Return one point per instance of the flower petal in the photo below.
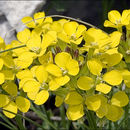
(93, 102)
(120, 99)
(11, 107)
(4, 100)
(54, 70)
(114, 113)
(41, 74)
(73, 98)
(22, 103)
(41, 97)
(75, 112)
(94, 66)
(62, 58)
(104, 88)
(85, 83)
(11, 88)
(113, 77)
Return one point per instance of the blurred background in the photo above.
(92, 11)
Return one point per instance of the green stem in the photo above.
(2, 123)
(43, 117)
(62, 115)
(91, 120)
(29, 120)
(8, 121)
(12, 48)
(20, 123)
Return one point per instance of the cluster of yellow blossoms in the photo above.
(87, 69)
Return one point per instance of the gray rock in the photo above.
(14, 11)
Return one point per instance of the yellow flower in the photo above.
(93, 102)
(116, 20)
(95, 66)
(96, 38)
(104, 88)
(35, 85)
(34, 22)
(72, 32)
(13, 102)
(126, 77)
(85, 83)
(66, 63)
(102, 110)
(114, 113)
(111, 57)
(61, 69)
(75, 108)
(120, 99)
(113, 77)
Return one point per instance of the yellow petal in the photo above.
(24, 60)
(39, 17)
(115, 38)
(28, 21)
(2, 78)
(31, 86)
(114, 113)
(49, 39)
(127, 83)
(80, 30)
(1, 63)
(22, 82)
(75, 112)
(94, 66)
(41, 74)
(59, 59)
(102, 111)
(2, 43)
(124, 18)
(85, 83)
(72, 67)
(114, 16)
(9, 75)
(70, 28)
(22, 103)
(62, 36)
(4, 100)
(62, 80)
(113, 77)
(113, 59)
(58, 101)
(73, 98)
(46, 58)
(109, 24)
(93, 102)
(41, 97)
(53, 85)
(24, 74)
(57, 82)
(32, 95)
(24, 35)
(77, 41)
(54, 70)
(11, 107)
(126, 74)
(11, 88)
(104, 88)
(56, 26)
(120, 99)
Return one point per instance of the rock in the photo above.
(14, 11)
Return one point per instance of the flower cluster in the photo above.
(87, 69)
